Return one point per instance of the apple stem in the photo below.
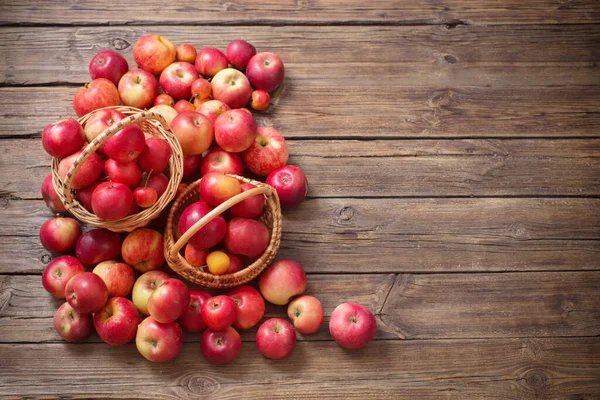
(148, 178)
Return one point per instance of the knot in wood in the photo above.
(202, 385)
(536, 379)
(450, 59)
(46, 258)
(119, 44)
(346, 213)
(519, 232)
(442, 98)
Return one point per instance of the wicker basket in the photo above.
(151, 123)
(271, 217)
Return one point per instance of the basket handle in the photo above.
(214, 213)
(103, 137)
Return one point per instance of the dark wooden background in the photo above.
(453, 153)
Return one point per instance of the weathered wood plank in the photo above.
(500, 369)
(26, 309)
(391, 235)
(371, 56)
(396, 112)
(301, 12)
(495, 305)
(383, 168)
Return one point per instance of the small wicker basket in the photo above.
(151, 123)
(271, 217)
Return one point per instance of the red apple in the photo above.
(235, 130)
(154, 53)
(158, 342)
(219, 312)
(125, 145)
(118, 277)
(138, 88)
(306, 312)
(186, 53)
(51, 197)
(99, 93)
(252, 207)
(275, 338)
(117, 322)
(239, 52)
(250, 306)
(221, 347)
(201, 89)
(145, 197)
(195, 256)
(231, 87)
(191, 319)
(108, 64)
(191, 165)
(260, 100)
(84, 196)
(98, 245)
(265, 71)
(210, 234)
(218, 160)
(193, 131)
(89, 171)
(59, 235)
(112, 201)
(210, 61)
(164, 99)
(128, 174)
(168, 112)
(71, 325)
(291, 185)
(236, 263)
(246, 237)
(169, 301)
(143, 250)
(86, 292)
(144, 286)
(99, 121)
(281, 281)
(57, 274)
(155, 156)
(63, 138)
(184, 105)
(212, 109)
(158, 182)
(352, 325)
(176, 80)
(268, 152)
(215, 188)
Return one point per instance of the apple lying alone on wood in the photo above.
(265, 71)
(352, 325)
(291, 185)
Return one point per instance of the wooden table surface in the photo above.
(453, 154)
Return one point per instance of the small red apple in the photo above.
(268, 152)
(128, 174)
(99, 121)
(239, 52)
(265, 71)
(352, 325)
(143, 250)
(158, 342)
(195, 256)
(176, 80)
(275, 338)
(71, 325)
(51, 197)
(155, 156)
(212, 109)
(63, 138)
(281, 281)
(86, 292)
(169, 301)
(250, 306)
(144, 286)
(59, 235)
(125, 145)
(210, 61)
(260, 100)
(186, 53)
(219, 312)
(90, 170)
(210, 234)
(58, 272)
(193, 131)
(218, 160)
(118, 277)
(117, 322)
(306, 312)
(221, 347)
(235, 130)
(231, 87)
(201, 89)
(215, 188)
(164, 99)
(99, 93)
(138, 88)
(191, 319)
(108, 64)
(191, 165)
(154, 53)
(184, 105)
(145, 197)
(98, 245)
(291, 185)
(246, 236)
(112, 201)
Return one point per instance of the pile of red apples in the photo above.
(117, 284)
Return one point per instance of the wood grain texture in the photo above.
(390, 235)
(301, 12)
(383, 168)
(502, 369)
(367, 56)
(27, 310)
(494, 305)
(356, 112)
